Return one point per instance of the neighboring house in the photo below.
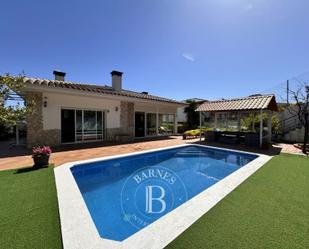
(181, 115)
(67, 112)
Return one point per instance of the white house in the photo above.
(67, 112)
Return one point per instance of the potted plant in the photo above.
(40, 156)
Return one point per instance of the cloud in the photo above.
(188, 56)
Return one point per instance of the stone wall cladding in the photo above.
(111, 133)
(47, 137)
(35, 133)
(127, 118)
(119, 134)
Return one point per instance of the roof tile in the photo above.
(247, 103)
(96, 89)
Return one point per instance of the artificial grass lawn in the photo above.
(29, 209)
(269, 210)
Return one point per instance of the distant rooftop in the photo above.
(196, 100)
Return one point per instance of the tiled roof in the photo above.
(256, 102)
(95, 89)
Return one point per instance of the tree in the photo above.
(301, 110)
(10, 88)
(192, 115)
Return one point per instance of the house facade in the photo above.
(67, 112)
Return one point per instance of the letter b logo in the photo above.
(150, 199)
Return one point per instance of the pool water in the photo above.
(126, 194)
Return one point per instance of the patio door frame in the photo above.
(157, 123)
(104, 123)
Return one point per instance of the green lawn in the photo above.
(269, 210)
(29, 210)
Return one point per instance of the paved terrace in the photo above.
(19, 157)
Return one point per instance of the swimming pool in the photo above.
(124, 195)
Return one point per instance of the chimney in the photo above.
(59, 75)
(116, 80)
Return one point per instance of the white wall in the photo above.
(296, 135)
(290, 121)
(153, 108)
(56, 102)
(182, 116)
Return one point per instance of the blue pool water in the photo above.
(126, 194)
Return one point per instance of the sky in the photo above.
(178, 49)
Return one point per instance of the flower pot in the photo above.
(40, 160)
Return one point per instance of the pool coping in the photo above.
(79, 231)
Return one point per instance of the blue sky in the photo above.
(173, 48)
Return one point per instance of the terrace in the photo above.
(19, 157)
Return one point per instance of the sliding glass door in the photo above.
(90, 125)
(87, 125)
(139, 124)
(153, 124)
(100, 125)
(67, 126)
(166, 124)
(79, 125)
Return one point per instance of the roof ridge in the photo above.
(67, 82)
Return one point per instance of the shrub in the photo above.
(195, 132)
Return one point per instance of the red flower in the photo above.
(41, 150)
